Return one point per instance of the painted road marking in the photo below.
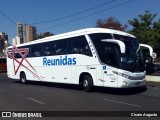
(35, 100)
(122, 103)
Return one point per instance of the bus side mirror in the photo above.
(149, 47)
(120, 43)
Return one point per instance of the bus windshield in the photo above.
(109, 53)
(132, 59)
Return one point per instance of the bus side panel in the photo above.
(10, 69)
(59, 74)
(50, 73)
(56, 73)
(99, 80)
(86, 64)
(74, 77)
(33, 69)
(110, 78)
(10, 72)
(65, 74)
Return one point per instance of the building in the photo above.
(30, 33)
(20, 32)
(3, 43)
(16, 40)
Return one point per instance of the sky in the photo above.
(69, 15)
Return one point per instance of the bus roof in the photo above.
(76, 33)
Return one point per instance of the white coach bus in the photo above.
(89, 57)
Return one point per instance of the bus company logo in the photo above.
(23, 52)
(59, 61)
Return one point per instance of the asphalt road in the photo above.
(36, 96)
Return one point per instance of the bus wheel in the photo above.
(88, 83)
(23, 78)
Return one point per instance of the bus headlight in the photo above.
(121, 74)
(125, 83)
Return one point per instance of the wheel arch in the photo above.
(83, 74)
(22, 72)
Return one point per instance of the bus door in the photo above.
(110, 55)
(110, 58)
(106, 76)
(110, 79)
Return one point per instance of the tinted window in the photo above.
(132, 60)
(74, 45)
(107, 54)
(80, 46)
(107, 51)
(10, 53)
(17, 55)
(49, 49)
(97, 37)
(35, 50)
(61, 47)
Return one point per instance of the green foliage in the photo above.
(45, 34)
(146, 29)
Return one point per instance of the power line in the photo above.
(74, 13)
(11, 20)
(88, 15)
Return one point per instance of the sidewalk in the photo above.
(153, 80)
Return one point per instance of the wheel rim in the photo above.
(23, 79)
(85, 83)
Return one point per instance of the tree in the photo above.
(111, 23)
(146, 29)
(45, 34)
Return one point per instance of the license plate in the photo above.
(137, 83)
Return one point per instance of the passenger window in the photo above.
(36, 50)
(61, 47)
(48, 49)
(17, 55)
(10, 53)
(107, 54)
(80, 46)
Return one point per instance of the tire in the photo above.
(88, 83)
(23, 78)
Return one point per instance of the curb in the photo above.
(153, 78)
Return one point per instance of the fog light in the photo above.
(125, 83)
